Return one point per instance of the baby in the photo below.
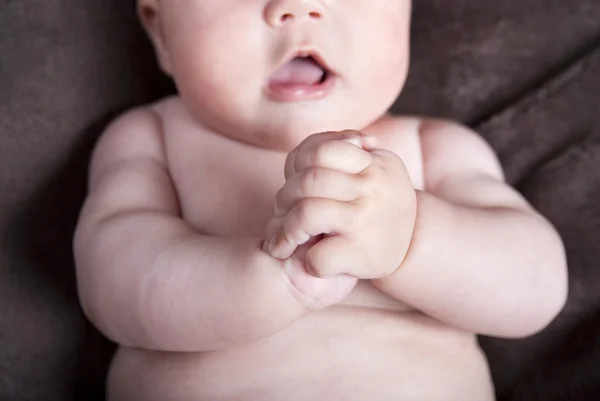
(272, 234)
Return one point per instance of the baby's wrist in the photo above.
(285, 276)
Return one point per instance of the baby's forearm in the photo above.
(148, 281)
(495, 271)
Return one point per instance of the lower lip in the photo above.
(299, 93)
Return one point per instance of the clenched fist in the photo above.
(351, 203)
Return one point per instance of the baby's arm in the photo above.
(146, 278)
(481, 258)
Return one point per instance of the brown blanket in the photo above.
(525, 73)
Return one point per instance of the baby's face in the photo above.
(272, 72)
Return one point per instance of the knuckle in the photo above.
(322, 153)
(309, 179)
(288, 229)
(369, 180)
(387, 169)
(394, 163)
(385, 159)
(347, 220)
(355, 186)
(290, 225)
(386, 173)
(293, 233)
(304, 211)
(357, 218)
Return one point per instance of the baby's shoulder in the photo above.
(138, 131)
(435, 137)
(134, 134)
(445, 147)
(423, 129)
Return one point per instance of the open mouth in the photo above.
(300, 71)
(304, 77)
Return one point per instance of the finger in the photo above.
(386, 161)
(310, 217)
(384, 157)
(369, 142)
(339, 155)
(332, 256)
(385, 153)
(312, 150)
(289, 163)
(306, 144)
(318, 183)
(273, 227)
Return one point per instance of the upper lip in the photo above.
(309, 53)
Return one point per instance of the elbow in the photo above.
(545, 291)
(97, 316)
(93, 300)
(99, 305)
(121, 325)
(539, 316)
(541, 303)
(98, 312)
(94, 317)
(551, 302)
(87, 292)
(551, 290)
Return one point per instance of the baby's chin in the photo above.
(282, 140)
(283, 131)
(287, 137)
(286, 134)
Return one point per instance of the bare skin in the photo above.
(239, 243)
(156, 232)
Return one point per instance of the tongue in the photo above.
(299, 71)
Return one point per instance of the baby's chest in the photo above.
(228, 189)
(231, 197)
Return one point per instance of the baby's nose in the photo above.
(281, 12)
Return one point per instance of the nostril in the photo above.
(281, 12)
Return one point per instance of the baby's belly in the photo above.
(343, 353)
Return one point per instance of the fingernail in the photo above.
(370, 141)
(355, 141)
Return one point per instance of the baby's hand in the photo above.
(359, 198)
(312, 292)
